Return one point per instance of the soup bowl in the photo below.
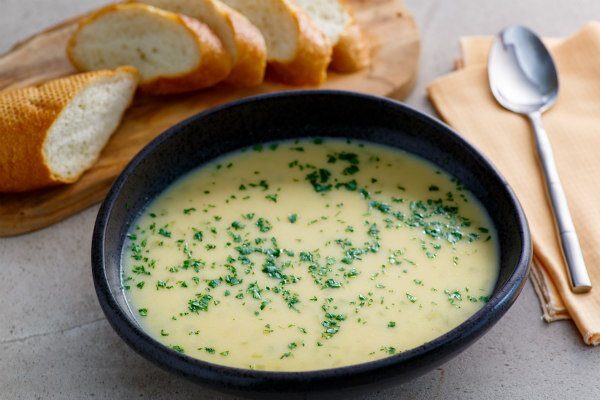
(289, 115)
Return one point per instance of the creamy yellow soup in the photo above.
(308, 255)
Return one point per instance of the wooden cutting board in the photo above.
(395, 48)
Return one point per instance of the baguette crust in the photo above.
(313, 54)
(250, 65)
(352, 51)
(214, 65)
(26, 116)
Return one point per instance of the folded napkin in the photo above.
(463, 99)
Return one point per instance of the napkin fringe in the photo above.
(550, 311)
(592, 339)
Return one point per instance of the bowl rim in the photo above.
(144, 344)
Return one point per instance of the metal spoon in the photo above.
(524, 80)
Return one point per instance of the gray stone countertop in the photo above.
(56, 344)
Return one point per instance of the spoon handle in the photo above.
(571, 249)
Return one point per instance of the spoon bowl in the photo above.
(521, 71)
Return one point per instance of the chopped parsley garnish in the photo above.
(454, 297)
(164, 232)
(383, 207)
(178, 349)
(332, 283)
(332, 324)
(318, 179)
(200, 303)
(237, 225)
(373, 231)
(350, 185)
(254, 290)
(411, 298)
(232, 280)
(140, 270)
(352, 158)
(198, 235)
(263, 225)
(272, 197)
(272, 270)
(351, 170)
(214, 283)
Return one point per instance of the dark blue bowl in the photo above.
(281, 116)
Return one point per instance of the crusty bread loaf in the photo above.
(334, 18)
(242, 40)
(173, 53)
(297, 51)
(51, 134)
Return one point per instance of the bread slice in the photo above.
(334, 18)
(242, 40)
(297, 51)
(173, 53)
(51, 134)
(352, 52)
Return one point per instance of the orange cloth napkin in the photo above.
(464, 101)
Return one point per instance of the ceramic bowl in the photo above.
(287, 115)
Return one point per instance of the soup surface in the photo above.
(307, 255)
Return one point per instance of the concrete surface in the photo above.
(56, 344)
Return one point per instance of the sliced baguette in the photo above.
(173, 53)
(334, 18)
(352, 52)
(242, 40)
(297, 51)
(51, 134)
